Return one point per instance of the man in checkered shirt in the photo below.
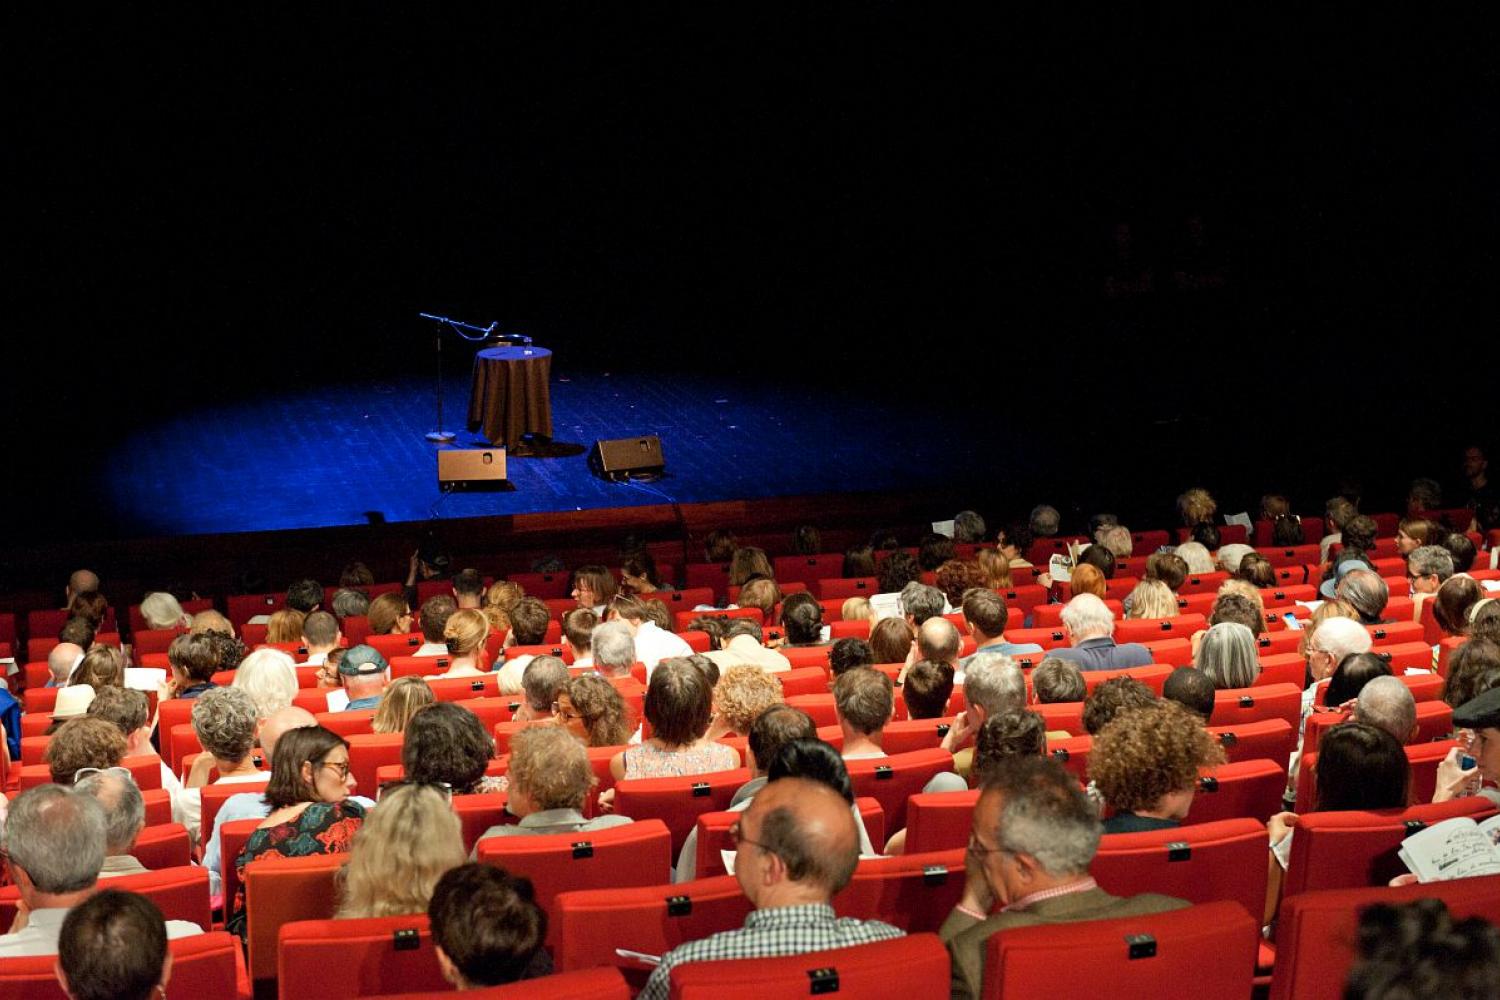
(798, 846)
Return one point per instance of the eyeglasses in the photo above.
(441, 787)
(737, 835)
(84, 772)
(978, 850)
(340, 767)
(565, 716)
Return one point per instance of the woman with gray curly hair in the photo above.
(225, 720)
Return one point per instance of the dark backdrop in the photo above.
(209, 206)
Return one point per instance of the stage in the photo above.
(354, 454)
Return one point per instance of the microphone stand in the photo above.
(441, 436)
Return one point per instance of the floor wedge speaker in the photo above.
(628, 458)
(471, 468)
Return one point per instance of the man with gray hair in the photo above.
(1366, 592)
(55, 844)
(920, 602)
(1035, 834)
(1045, 521)
(1427, 568)
(544, 678)
(742, 647)
(614, 649)
(1386, 703)
(124, 818)
(1329, 643)
(1116, 538)
(993, 685)
(968, 527)
(1090, 626)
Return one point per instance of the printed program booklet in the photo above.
(1454, 848)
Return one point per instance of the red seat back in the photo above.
(1129, 956)
(1202, 863)
(1315, 930)
(203, 965)
(916, 892)
(1249, 788)
(911, 966)
(180, 893)
(638, 853)
(163, 846)
(843, 588)
(280, 891)
(653, 919)
(367, 751)
(1268, 739)
(1153, 676)
(1346, 850)
(1152, 629)
(939, 821)
(395, 644)
(243, 607)
(1238, 706)
(905, 735)
(678, 802)
(212, 798)
(893, 779)
(355, 958)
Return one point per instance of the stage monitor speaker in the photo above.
(628, 458)
(472, 468)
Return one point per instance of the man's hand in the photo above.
(1453, 780)
(959, 733)
(977, 895)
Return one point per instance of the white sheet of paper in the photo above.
(1238, 519)
(728, 857)
(1454, 848)
(145, 678)
(944, 528)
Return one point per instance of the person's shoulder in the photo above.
(1148, 902)
(875, 930)
(606, 822)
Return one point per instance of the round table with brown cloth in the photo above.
(510, 395)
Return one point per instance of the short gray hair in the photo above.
(124, 807)
(613, 646)
(921, 601)
(1365, 591)
(224, 719)
(1195, 554)
(162, 611)
(995, 683)
(349, 601)
(1340, 637)
(1117, 539)
(1088, 617)
(56, 837)
(1044, 520)
(1231, 555)
(1430, 560)
(1386, 703)
(1044, 814)
(542, 679)
(968, 526)
(1228, 656)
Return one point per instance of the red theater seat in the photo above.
(915, 892)
(1250, 788)
(678, 802)
(654, 919)
(356, 958)
(1202, 863)
(1128, 957)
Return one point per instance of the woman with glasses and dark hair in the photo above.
(592, 710)
(409, 840)
(308, 795)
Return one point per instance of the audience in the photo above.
(985, 614)
(577, 635)
(1419, 950)
(269, 677)
(433, 619)
(113, 946)
(1351, 675)
(679, 705)
(846, 654)
(486, 928)
(993, 684)
(864, 703)
(1151, 599)
(543, 680)
(1055, 680)
(798, 846)
(651, 644)
(225, 721)
(124, 818)
(310, 811)
(594, 588)
(891, 640)
(465, 635)
(1034, 837)
(389, 614)
(550, 781)
(528, 627)
(404, 846)
(1109, 699)
(1386, 703)
(1090, 627)
(55, 843)
(365, 674)
(83, 743)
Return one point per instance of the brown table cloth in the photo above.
(510, 395)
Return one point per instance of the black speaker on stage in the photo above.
(628, 458)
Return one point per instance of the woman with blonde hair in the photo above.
(857, 609)
(763, 595)
(498, 600)
(162, 611)
(101, 667)
(284, 626)
(1197, 557)
(1151, 599)
(1088, 579)
(994, 569)
(465, 633)
(1196, 506)
(740, 696)
(408, 841)
(389, 614)
(402, 700)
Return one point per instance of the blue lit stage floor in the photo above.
(347, 454)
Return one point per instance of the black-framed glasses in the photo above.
(978, 850)
(441, 787)
(568, 716)
(737, 835)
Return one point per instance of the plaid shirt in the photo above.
(784, 930)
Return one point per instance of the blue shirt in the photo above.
(360, 704)
(1003, 648)
(1104, 654)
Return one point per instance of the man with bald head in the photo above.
(252, 805)
(61, 661)
(82, 581)
(1386, 703)
(798, 846)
